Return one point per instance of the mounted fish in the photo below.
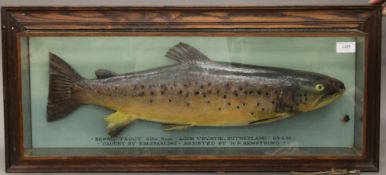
(195, 92)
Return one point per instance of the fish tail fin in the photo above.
(61, 98)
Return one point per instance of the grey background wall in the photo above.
(203, 3)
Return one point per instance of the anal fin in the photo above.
(117, 121)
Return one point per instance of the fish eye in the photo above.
(319, 87)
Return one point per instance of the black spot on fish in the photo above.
(204, 95)
(240, 88)
(228, 85)
(152, 93)
(219, 109)
(273, 102)
(266, 94)
(262, 109)
(202, 86)
(180, 92)
(188, 104)
(257, 104)
(196, 93)
(210, 92)
(142, 86)
(208, 102)
(170, 100)
(229, 103)
(236, 93)
(209, 84)
(252, 113)
(116, 88)
(243, 104)
(250, 92)
(246, 92)
(238, 107)
(162, 92)
(151, 101)
(224, 97)
(259, 92)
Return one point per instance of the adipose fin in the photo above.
(103, 73)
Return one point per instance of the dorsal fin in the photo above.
(103, 73)
(184, 53)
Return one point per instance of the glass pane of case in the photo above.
(193, 95)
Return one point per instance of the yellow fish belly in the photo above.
(193, 111)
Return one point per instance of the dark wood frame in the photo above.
(40, 21)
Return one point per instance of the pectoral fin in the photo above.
(269, 120)
(176, 127)
(117, 121)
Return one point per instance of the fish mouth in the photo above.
(328, 98)
(320, 101)
(334, 94)
(337, 91)
(330, 95)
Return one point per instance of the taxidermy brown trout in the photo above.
(195, 92)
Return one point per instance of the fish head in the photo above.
(317, 91)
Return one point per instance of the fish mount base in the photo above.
(331, 172)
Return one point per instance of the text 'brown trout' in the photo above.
(195, 92)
